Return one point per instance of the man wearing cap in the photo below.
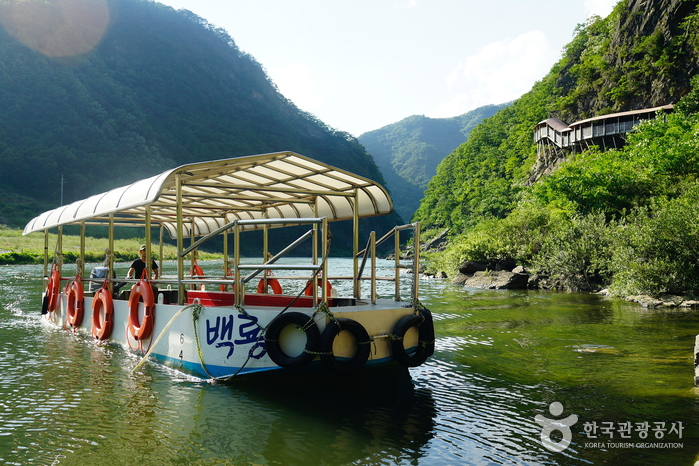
(139, 265)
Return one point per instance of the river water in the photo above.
(502, 358)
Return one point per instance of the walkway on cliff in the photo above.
(556, 140)
(606, 131)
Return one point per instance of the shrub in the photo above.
(658, 247)
(576, 255)
(515, 239)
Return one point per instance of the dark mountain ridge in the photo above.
(162, 88)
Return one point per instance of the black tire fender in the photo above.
(425, 345)
(332, 330)
(303, 323)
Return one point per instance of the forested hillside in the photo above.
(161, 88)
(624, 218)
(408, 152)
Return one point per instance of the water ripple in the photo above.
(67, 401)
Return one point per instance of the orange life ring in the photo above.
(197, 272)
(141, 291)
(309, 287)
(222, 287)
(273, 282)
(75, 302)
(52, 290)
(102, 329)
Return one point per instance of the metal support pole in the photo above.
(324, 283)
(225, 254)
(239, 285)
(149, 261)
(193, 257)
(111, 253)
(396, 239)
(180, 241)
(416, 259)
(373, 267)
(80, 270)
(265, 249)
(46, 258)
(315, 254)
(60, 248)
(355, 244)
(160, 250)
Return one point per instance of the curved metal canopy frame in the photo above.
(213, 194)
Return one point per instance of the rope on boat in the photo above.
(322, 309)
(417, 305)
(195, 317)
(197, 309)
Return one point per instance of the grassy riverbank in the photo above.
(18, 249)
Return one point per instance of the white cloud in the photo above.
(599, 7)
(296, 83)
(500, 72)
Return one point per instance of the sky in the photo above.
(359, 65)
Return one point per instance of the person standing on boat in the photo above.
(139, 265)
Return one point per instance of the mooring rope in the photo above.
(195, 305)
(197, 309)
(321, 309)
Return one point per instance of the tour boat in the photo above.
(249, 319)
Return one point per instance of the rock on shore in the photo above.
(504, 276)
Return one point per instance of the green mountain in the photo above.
(623, 218)
(408, 152)
(160, 88)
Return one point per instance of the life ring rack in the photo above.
(223, 286)
(197, 272)
(75, 302)
(271, 282)
(309, 287)
(141, 291)
(52, 289)
(102, 329)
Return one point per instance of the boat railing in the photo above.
(317, 267)
(370, 251)
(317, 270)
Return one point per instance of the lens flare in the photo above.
(56, 28)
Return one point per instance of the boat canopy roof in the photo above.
(278, 185)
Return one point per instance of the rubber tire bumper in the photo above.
(425, 344)
(332, 330)
(302, 322)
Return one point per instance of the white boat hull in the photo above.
(225, 341)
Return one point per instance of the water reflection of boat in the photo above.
(298, 422)
(386, 420)
(380, 416)
(223, 325)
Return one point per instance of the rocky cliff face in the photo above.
(648, 53)
(661, 24)
(642, 56)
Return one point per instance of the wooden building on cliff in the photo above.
(556, 140)
(606, 131)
